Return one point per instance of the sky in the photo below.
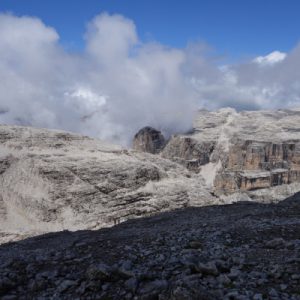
(235, 28)
(107, 68)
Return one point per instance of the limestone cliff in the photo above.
(246, 152)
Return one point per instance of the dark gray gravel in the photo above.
(240, 251)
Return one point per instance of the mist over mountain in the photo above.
(119, 83)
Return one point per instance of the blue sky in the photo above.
(234, 28)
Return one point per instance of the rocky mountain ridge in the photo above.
(54, 180)
(248, 152)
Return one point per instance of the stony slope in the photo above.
(52, 180)
(239, 251)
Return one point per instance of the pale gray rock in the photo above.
(53, 180)
(258, 151)
(242, 155)
(188, 151)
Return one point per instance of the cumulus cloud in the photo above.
(270, 59)
(119, 84)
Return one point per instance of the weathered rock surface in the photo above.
(239, 251)
(242, 152)
(149, 140)
(52, 180)
(188, 151)
(257, 149)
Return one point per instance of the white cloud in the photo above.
(270, 59)
(119, 84)
(86, 99)
(110, 38)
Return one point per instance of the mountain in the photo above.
(176, 240)
(54, 180)
(244, 155)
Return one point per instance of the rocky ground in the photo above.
(238, 251)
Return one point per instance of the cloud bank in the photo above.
(119, 84)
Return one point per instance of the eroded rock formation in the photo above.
(253, 165)
(52, 180)
(188, 151)
(148, 140)
(247, 152)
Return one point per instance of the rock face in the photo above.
(258, 150)
(239, 251)
(52, 180)
(188, 151)
(249, 152)
(148, 140)
(253, 165)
